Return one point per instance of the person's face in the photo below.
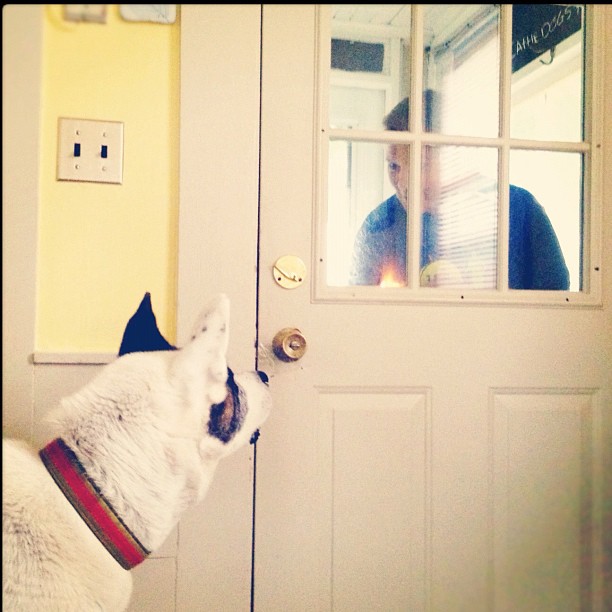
(397, 166)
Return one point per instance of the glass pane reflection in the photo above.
(367, 219)
(368, 183)
(547, 235)
(460, 217)
(547, 72)
(461, 56)
(358, 182)
(370, 62)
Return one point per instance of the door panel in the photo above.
(366, 491)
(419, 456)
(542, 488)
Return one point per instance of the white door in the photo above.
(420, 456)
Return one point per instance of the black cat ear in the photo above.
(141, 332)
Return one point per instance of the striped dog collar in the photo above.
(71, 477)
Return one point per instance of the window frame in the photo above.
(591, 148)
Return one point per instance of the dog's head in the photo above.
(238, 402)
(180, 399)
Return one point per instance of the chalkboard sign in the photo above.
(537, 28)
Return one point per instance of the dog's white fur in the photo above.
(140, 429)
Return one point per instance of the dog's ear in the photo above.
(141, 332)
(201, 364)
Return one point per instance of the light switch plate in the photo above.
(90, 150)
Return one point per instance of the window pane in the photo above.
(547, 72)
(461, 56)
(366, 223)
(368, 208)
(459, 217)
(546, 237)
(370, 63)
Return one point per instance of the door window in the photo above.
(455, 157)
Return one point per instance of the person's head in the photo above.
(397, 119)
(398, 159)
(398, 156)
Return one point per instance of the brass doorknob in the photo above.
(289, 344)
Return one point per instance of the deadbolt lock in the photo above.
(289, 271)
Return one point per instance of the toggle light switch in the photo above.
(90, 150)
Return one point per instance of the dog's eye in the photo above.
(263, 376)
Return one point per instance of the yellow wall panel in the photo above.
(102, 246)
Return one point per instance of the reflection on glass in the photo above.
(369, 182)
(460, 196)
(357, 183)
(461, 56)
(545, 234)
(547, 72)
(367, 223)
(370, 63)
(379, 252)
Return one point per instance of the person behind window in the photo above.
(535, 257)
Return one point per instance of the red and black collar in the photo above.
(72, 479)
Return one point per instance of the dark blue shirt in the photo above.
(535, 259)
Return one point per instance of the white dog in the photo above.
(138, 445)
